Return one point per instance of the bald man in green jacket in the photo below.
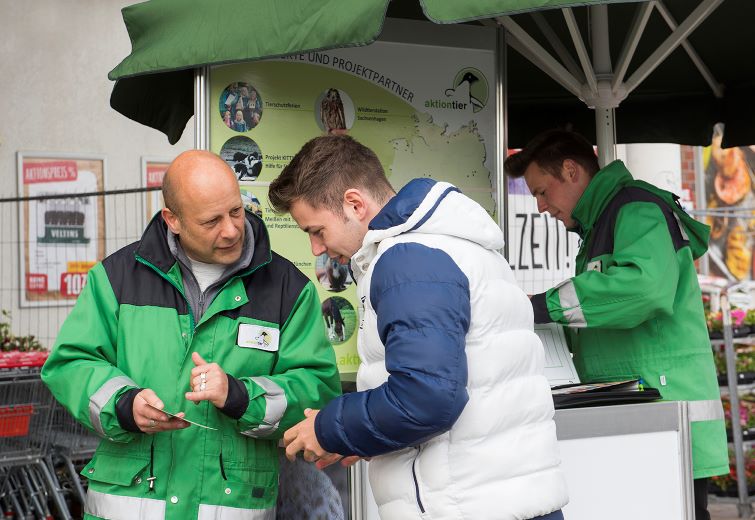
(199, 317)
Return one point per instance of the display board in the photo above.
(422, 116)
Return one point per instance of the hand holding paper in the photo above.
(181, 417)
(150, 417)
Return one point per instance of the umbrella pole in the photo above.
(201, 108)
(605, 135)
(605, 132)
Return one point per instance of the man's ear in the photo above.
(354, 202)
(172, 220)
(571, 169)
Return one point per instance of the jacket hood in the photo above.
(697, 232)
(604, 185)
(428, 206)
(615, 176)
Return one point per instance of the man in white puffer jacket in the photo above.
(453, 407)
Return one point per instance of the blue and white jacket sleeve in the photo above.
(422, 302)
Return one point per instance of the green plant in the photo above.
(745, 359)
(728, 482)
(714, 321)
(746, 413)
(739, 318)
(9, 341)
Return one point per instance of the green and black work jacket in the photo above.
(133, 327)
(634, 308)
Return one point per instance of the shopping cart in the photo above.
(72, 445)
(26, 482)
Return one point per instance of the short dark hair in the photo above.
(549, 150)
(322, 171)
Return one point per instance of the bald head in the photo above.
(194, 171)
(203, 207)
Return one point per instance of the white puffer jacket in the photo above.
(452, 396)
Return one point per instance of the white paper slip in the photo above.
(559, 368)
(166, 412)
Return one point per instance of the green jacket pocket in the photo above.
(115, 470)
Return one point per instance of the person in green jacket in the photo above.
(199, 317)
(634, 307)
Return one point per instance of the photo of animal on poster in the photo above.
(334, 111)
(340, 319)
(244, 157)
(332, 275)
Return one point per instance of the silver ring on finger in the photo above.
(202, 386)
(152, 423)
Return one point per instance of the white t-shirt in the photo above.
(206, 274)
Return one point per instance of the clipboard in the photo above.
(605, 397)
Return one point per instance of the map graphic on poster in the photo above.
(63, 235)
(423, 117)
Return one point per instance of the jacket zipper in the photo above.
(416, 481)
(166, 277)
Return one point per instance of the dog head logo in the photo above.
(470, 86)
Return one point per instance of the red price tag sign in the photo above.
(36, 282)
(71, 284)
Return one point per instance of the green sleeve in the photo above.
(636, 283)
(305, 374)
(81, 370)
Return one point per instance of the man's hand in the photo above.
(150, 420)
(345, 461)
(301, 437)
(208, 382)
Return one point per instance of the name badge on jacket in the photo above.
(259, 337)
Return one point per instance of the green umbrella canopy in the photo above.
(169, 38)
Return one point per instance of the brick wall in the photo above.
(688, 170)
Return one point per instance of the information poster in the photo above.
(62, 234)
(422, 115)
(542, 253)
(153, 171)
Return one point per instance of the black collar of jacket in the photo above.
(153, 246)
